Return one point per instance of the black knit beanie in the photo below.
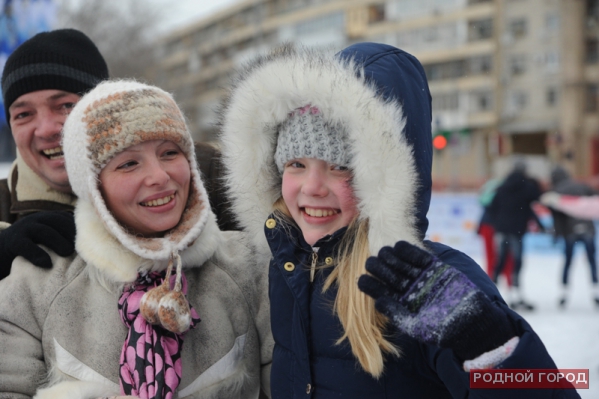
(63, 59)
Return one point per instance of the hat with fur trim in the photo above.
(112, 117)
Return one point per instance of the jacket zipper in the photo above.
(313, 265)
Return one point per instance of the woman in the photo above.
(329, 162)
(123, 315)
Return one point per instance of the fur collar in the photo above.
(117, 264)
(385, 177)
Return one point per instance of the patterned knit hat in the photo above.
(112, 117)
(305, 134)
(63, 59)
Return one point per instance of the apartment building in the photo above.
(508, 77)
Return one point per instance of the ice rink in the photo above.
(571, 335)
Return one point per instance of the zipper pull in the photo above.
(313, 265)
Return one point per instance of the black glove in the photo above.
(55, 230)
(434, 302)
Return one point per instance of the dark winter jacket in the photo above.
(39, 197)
(565, 225)
(306, 358)
(511, 208)
(383, 103)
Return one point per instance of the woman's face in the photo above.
(319, 196)
(146, 187)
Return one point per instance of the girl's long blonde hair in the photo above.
(363, 326)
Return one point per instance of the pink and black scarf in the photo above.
(150, 363)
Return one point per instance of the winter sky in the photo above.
(180, 13)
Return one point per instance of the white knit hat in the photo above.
(112, 117)
(305, 134)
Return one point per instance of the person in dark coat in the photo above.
(487, 232)
(510, 212)
(573, 229)
(328, 161)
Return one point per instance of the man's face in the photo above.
(36, 121)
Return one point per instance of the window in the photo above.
(481, 101)
(480, 29)
(194, 63)
(552, 62)
(446, 70)
(430, 34)
(445, 101)
(517, 100)
(320, 23)
(551, 97)
(481, 65)
(517, 64)
(592, 51)
(376, 13)
(592, 92)
(551, 23)
(518, 28)
(593, 8)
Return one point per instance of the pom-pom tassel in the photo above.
(167, 307)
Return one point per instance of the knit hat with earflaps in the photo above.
(112, 117)
(62, 59)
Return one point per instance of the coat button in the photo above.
(328, 260)
(271, 223)
(308, 388)
(289, 266)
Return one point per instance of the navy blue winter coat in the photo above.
(379, 96)
(308, 364)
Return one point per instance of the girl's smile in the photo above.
(318, 196)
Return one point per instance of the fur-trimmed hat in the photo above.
(112, 117)
(63, 59)
(306, 134)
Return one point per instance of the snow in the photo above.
(571, 335)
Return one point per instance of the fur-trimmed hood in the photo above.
(376, 92)
(112, 117)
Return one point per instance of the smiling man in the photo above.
(42, 80)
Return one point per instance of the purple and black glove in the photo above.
(434, 303)
(55, 230)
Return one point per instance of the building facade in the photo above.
(509, 78)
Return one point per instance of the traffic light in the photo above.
(439, 142)
(441, 139)
(457, 139)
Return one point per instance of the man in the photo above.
(42, 80)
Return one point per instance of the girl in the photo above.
(152, 305)
(329, 162)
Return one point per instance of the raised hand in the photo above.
(434, 302)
